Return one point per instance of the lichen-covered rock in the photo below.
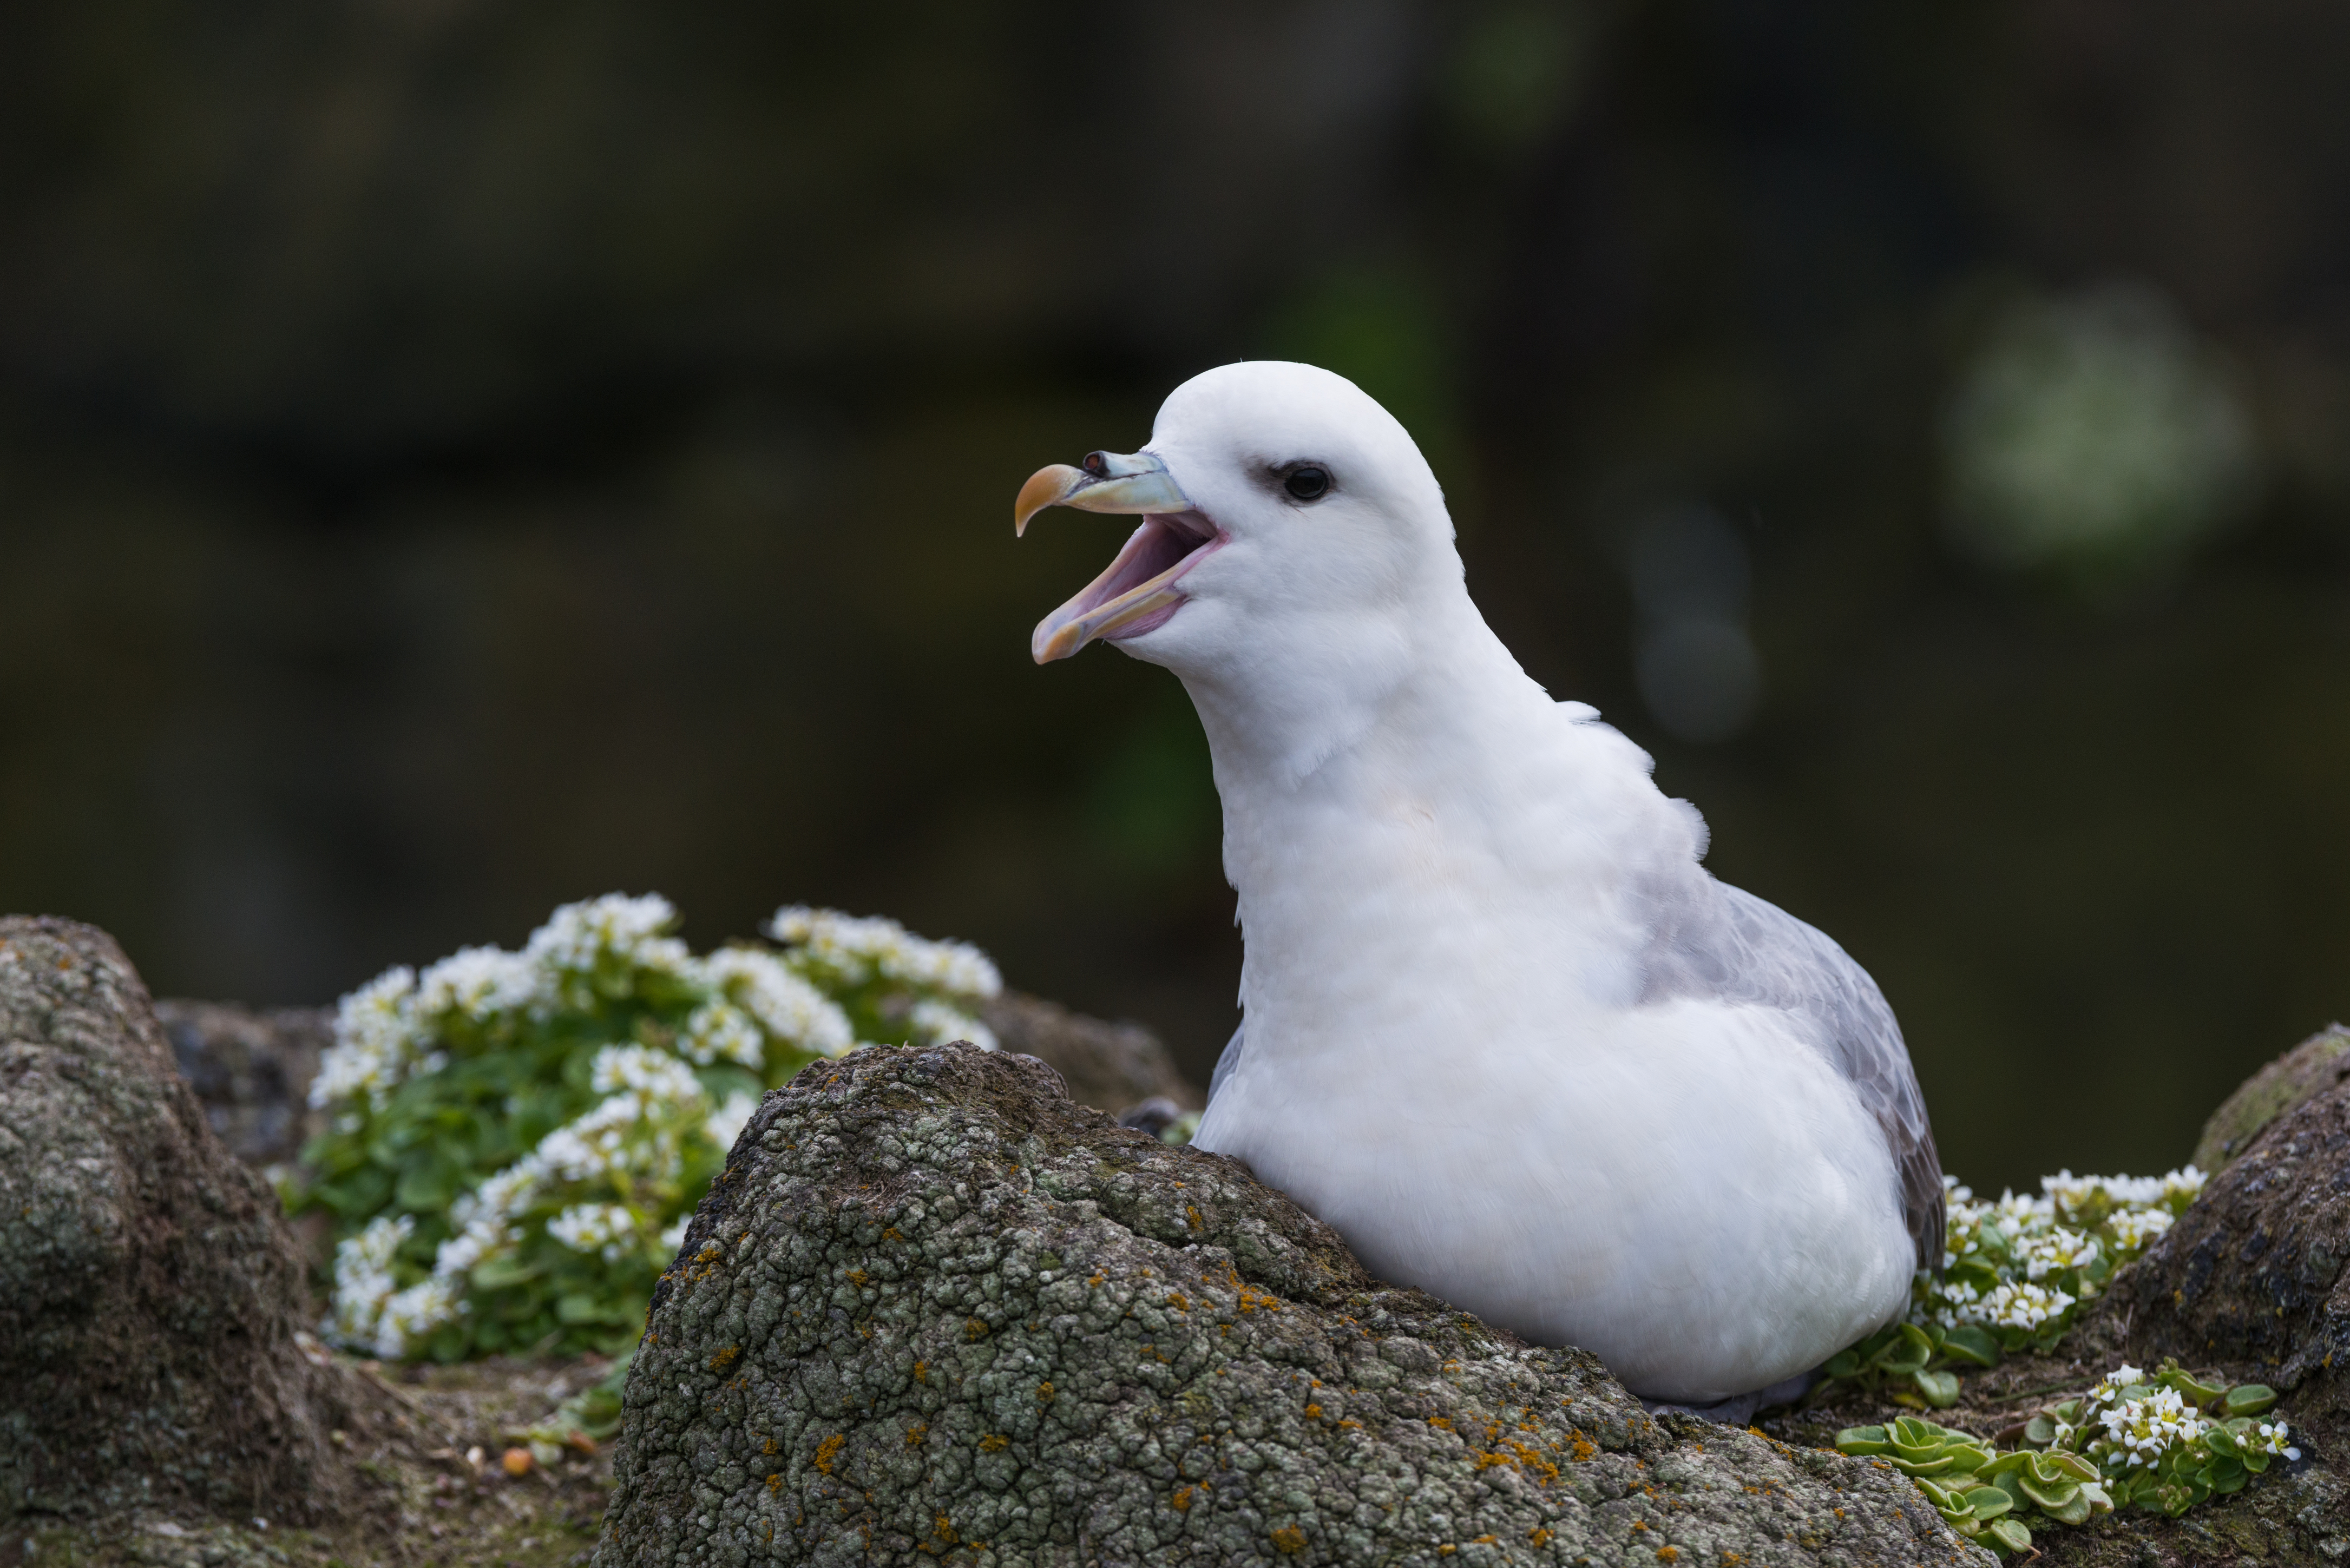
(150, 1296)
(2309, 1069)
(933, 1310)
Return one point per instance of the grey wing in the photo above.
(1227, 1061)
(1742, 949)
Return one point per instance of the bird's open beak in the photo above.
(1137, 592)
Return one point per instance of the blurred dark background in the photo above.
(456, 458)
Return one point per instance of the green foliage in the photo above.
(518, 1138)
(2166, 1443)
(2016, 1274)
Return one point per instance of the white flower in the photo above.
(726, 1123)
(655, 1074)
(2055, 1248)
(414, 1313)
(783, 1003)
(379, 1045)
(605, 1230)
(2019, 1306)
(2146, 1429)
(859, 949)
(364, 1280)
(2183, 1186)
(2135, 1228)
(2120, 1378)
(721, 1032)
(2020, 1214)
(578, 937)
(478, 982)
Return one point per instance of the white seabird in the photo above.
(1500, 1028)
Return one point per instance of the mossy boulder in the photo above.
(934, 1311)
(2309, 1069)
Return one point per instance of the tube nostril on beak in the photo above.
(1098, 464)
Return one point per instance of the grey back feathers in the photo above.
(1733, 946)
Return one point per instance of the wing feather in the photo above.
(1734, 947)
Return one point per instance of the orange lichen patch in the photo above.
(1484, 1540)
(1178, 1300)
(1447, 1550)
(916, 1433)
(825, 1450)
(1582, 1448)
(1313, 1412)
(1537, 1536)
(1347, 1421)
(1289, 1540)
(771, 1447)
(975, 1327)
(1486, 1460)
(1638, 1524)
(890, 1234)
(1439, 1422)
(921, 1372)
(993, 1443)
(776, 1481)
(857, 1278)
(944, 1529)
(1668, 1555)
(1533, 1460)
(1731, 1559)
(726, 1358)
(1193, 1215)
(1044, 1392)
(1099, 1278)
(1183, 1500)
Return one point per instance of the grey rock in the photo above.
(1109, 1066)
(150, 1298)
(251, 1069)
(933, 1310)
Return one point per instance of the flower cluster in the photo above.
(2015, 1272)
(2165, 1442)
(2164, 1439)
(518, 1138)
(2018, 1267)
(890, 980)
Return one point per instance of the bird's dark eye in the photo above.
(1307, 483)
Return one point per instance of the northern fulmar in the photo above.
(1500, 1027)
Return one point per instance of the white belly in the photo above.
(1685, 1191)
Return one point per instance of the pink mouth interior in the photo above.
(1163, 543)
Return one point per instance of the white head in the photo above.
(1294, 544)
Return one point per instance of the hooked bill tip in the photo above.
(1048, 486)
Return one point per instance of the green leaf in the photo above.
(1972, 1341)
(1988, 1502)
(2248, 1399)
(1940, 1389)
(2009, 1533)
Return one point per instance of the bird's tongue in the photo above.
(1136, 593)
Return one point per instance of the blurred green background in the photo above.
(457, 457)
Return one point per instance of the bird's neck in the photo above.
(1434, 808)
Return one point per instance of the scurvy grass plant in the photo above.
(2165, 1442)
(2016, 1273)
(518, 1138)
